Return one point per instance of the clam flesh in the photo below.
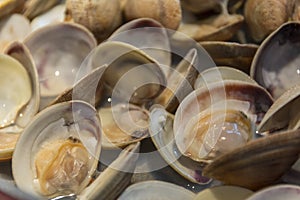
(58, 151)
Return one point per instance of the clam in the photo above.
(275, 65)
(155, 190)
(179, 82)
(33, 8)
(101, 17)
(58, 51)
(123, 124)
(224, 192)
(149, 36)
(9, 6)
(131, 75)
(13, 28)
(231, 54)
(265, 16)
(283, 114)
(58, 151)
(168, 13)
(162, 135)
(249, 166)
(206, 116)
(277, 192)
(19, 98)
(115, 178)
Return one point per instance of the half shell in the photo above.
(58, 51)
(58, 151)
(275, 65)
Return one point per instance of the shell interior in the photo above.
(64, 141)
(58, 56)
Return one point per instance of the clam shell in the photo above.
(161, 130)
(149, 36)
(156, 190)
(54, 15)
(123, 124)
(275, 65)
(223, 193)
(180, 82)
(23, 113)
(249, 166)
(34, 8)
(88, 89)
(59, 122)
(283, 114)
(114, 179)
(131, 74)
(231, 54)
(203, 98)
(277, 192)
(58, 51)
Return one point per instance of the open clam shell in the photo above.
(277, 192)
(58, 51)
(149, 36)
(162, 135)
(179, 83)
(249, 166)
(58, 151)
(198, 116)
(231, 54)
(283, 114)
(156, 190)
(115, 178)
(20, 98)
(131, 74)
(275, 65)
(34, 8)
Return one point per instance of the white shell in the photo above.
(58, 51)
(156, 190)
(75, 119)
(277, 192)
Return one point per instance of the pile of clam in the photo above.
(150, 99)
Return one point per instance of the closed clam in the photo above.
(19, 99)
(168, 13)
(101, 17)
